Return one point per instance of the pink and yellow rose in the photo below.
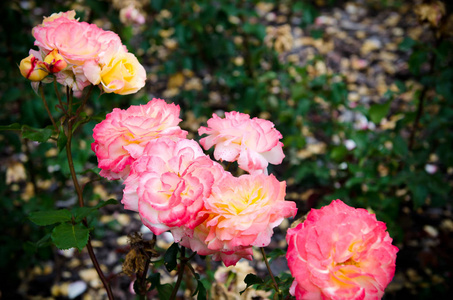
(242, 211)
(340, 252)
(169, 183)
(77, 42)
(87, 54)
(121, 138)
(118, 71)
(253, 143)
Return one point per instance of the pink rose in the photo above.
(340, 252)
(120, 139)
(169, 183)
(242, 212)
(77, 42)
(254, 143)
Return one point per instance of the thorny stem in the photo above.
(182, 267)
(41, 90)
(80, 193)
(274, 283)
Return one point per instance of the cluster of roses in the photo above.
(175, 187)
(338, 252)
(79, 54)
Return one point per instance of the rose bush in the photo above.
(340, 252)
(254, 143)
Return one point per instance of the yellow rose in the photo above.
(33, 69)
(123, 74)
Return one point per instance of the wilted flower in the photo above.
(252, 142)
(340, 252)
(122, 136)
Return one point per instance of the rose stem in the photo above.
(182, 267)
(41, 90)
(274, 283)
(80, 194)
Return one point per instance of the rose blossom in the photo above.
(122, 136)
(252, 142)
(77, 42)
(118, 71)
(340, 252)
(242, 211)
(169, 183)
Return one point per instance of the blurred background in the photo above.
(362, 92)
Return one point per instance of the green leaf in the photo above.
(250, 280)
(276, 253)
(62, 139)
(154, 279)
(32, 247)
(49, 217)
(407, 44)
(170, 257)
(201, 290)
(105, 203)
(297, 91)
(14, 126)
(419, 194)
(164, 291)
(379, 111)
(82, 212)
(338, 153)
(400, 146)
(66, 236)
(37, 134)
